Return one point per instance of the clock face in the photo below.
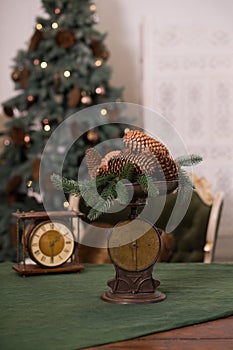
(51, 243)
(134, 254)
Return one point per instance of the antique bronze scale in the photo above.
(134, 246)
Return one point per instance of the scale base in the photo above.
(139, 298)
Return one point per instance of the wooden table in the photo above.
(213, 335)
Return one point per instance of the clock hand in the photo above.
(51, 244)
(134, 252)
(52, 253)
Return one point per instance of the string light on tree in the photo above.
(93, 7)
(96, 18)
(104, 112)
(54, 25)
(66, 204)
(29, 183)
(46, 124)
(39, 26)
(57, 11)
(47, 127)
(100, 90)
(92, 136)
(36, 62)
(67, 73)
(98, 63)
(86, 100)
(27, 138)
(30, 98)
(7, 142)
(44, 65)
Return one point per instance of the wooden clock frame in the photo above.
(29, 269)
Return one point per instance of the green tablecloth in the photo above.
(66, 312)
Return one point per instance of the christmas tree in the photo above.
(63, 70)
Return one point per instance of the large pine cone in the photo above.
(137, 141)
(115, 166)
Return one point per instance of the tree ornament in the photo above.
(76, 131)
(12, 187)
(8, 110)
(92, 136)
(17, 136)
(96, 47)
(65, 39)
(105, 54)
(15, 75)
(74, 97)
(35, 40)
(56, 81)
(114, 115)
(35, 169)
(23, 77)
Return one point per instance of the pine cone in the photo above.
(116, 166)
(106, 159)
(145, 161)
(139, 142)
(92, 160)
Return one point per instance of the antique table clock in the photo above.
(48, 240)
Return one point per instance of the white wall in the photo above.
(119, 18)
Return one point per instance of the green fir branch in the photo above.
(65, 185)
(189, 160)
(184, 187)
(122, 193)
(128, 172)
(147, 185)
(101, 207)
(103, 180)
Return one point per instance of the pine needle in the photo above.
(148, 186)
(189, 160)
(65, 185)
